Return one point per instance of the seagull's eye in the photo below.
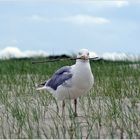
(87, 53)
(80, 53)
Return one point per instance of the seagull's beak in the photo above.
(84, 57)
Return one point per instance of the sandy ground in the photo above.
(94, 120)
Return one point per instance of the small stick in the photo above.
(54, 60)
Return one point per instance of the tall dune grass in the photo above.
(110, 110)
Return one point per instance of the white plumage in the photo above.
(80, 83)
(70, 82)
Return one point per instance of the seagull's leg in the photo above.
(63, 108)
(75, 107)
(56, 106)
(63, 118)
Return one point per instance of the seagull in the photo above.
(70, 82)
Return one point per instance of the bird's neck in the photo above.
(83, 64)
(80, 61)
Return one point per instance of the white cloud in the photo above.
(120, 56)
(115, 56)
(121, 3)
(14, 52)
(38, 18)
(76, 19)
(93, 54)
(85, 19)
(110, 3)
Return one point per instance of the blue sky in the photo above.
(58, 26)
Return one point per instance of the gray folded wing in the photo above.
(60, 77)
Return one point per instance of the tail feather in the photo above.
(41, 88)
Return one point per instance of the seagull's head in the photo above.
(83, 54)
